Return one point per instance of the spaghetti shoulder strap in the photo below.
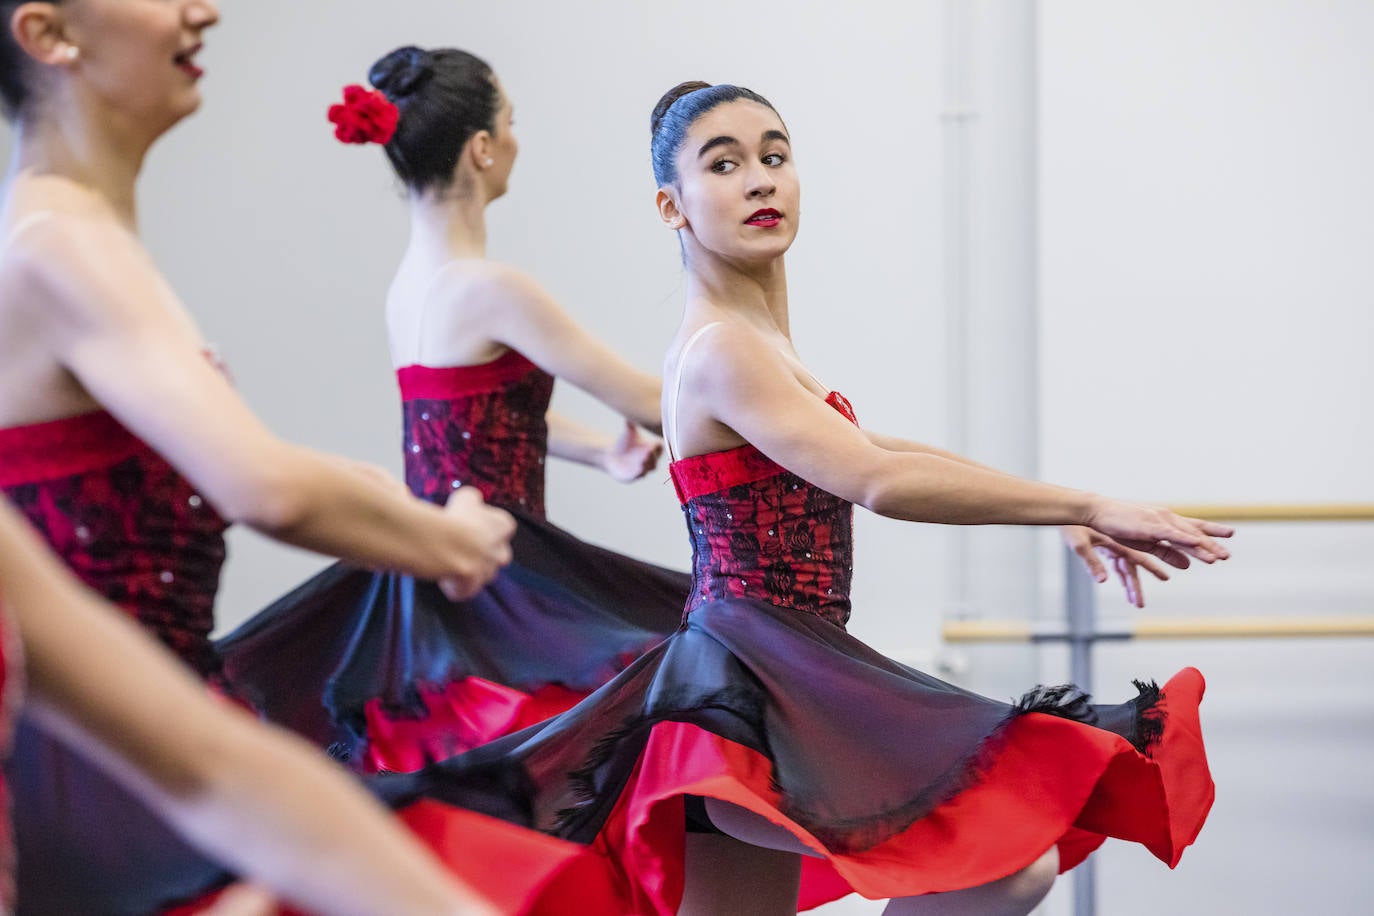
(25, 223)
(670, 421)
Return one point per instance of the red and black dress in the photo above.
(390, 673)
(135, 530)
(902, 784)
(11, 688)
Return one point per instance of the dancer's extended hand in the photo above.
(632, 455)
(489, 531)
(1158, 531)
(1093, 547)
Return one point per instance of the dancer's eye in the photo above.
(723, 166)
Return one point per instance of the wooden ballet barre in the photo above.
(1279, 512)
(1017, 631)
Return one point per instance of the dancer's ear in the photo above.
(479, 150)
(38, 30)
(668, 210)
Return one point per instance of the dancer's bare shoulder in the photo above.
(56, 231)
(723, 356)
(497, 287)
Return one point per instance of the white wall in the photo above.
(1208, 310)
(1207, 213)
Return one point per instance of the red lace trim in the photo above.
(715, 471)
(841, 403)
(64, 448)
(444, 383)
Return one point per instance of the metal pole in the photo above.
(957, 124)
(990, 292)
(1080, 607)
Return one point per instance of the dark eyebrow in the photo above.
(731, 141)
(714, 142)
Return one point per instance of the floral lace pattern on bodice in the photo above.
(481, 426)
(759, 531)
(125, 522)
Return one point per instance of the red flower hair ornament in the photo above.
(366, 116)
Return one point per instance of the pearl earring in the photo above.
(72, 52)
(490, 162)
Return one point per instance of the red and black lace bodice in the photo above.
(759, 531)
(479, 426)
(129, 526)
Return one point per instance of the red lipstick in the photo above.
(186, 65)
(764, 219)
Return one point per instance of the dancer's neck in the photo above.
(756, 292)
(101, 157)
(444, 227)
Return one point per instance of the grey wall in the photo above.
(1206, 208)
(1208, 309)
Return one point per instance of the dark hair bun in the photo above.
(401, 72)
(669, 97)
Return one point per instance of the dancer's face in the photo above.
(502, 147)
(136, 58)
(737, 191)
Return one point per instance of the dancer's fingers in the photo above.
(1215, 529)
(1169, 554)
(1088, 555)
(1130, 578)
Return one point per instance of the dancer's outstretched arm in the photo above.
(749, 388)
(1092, 547)
(258, 799)
(507, 305)
(626, 457)
(113, 323)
